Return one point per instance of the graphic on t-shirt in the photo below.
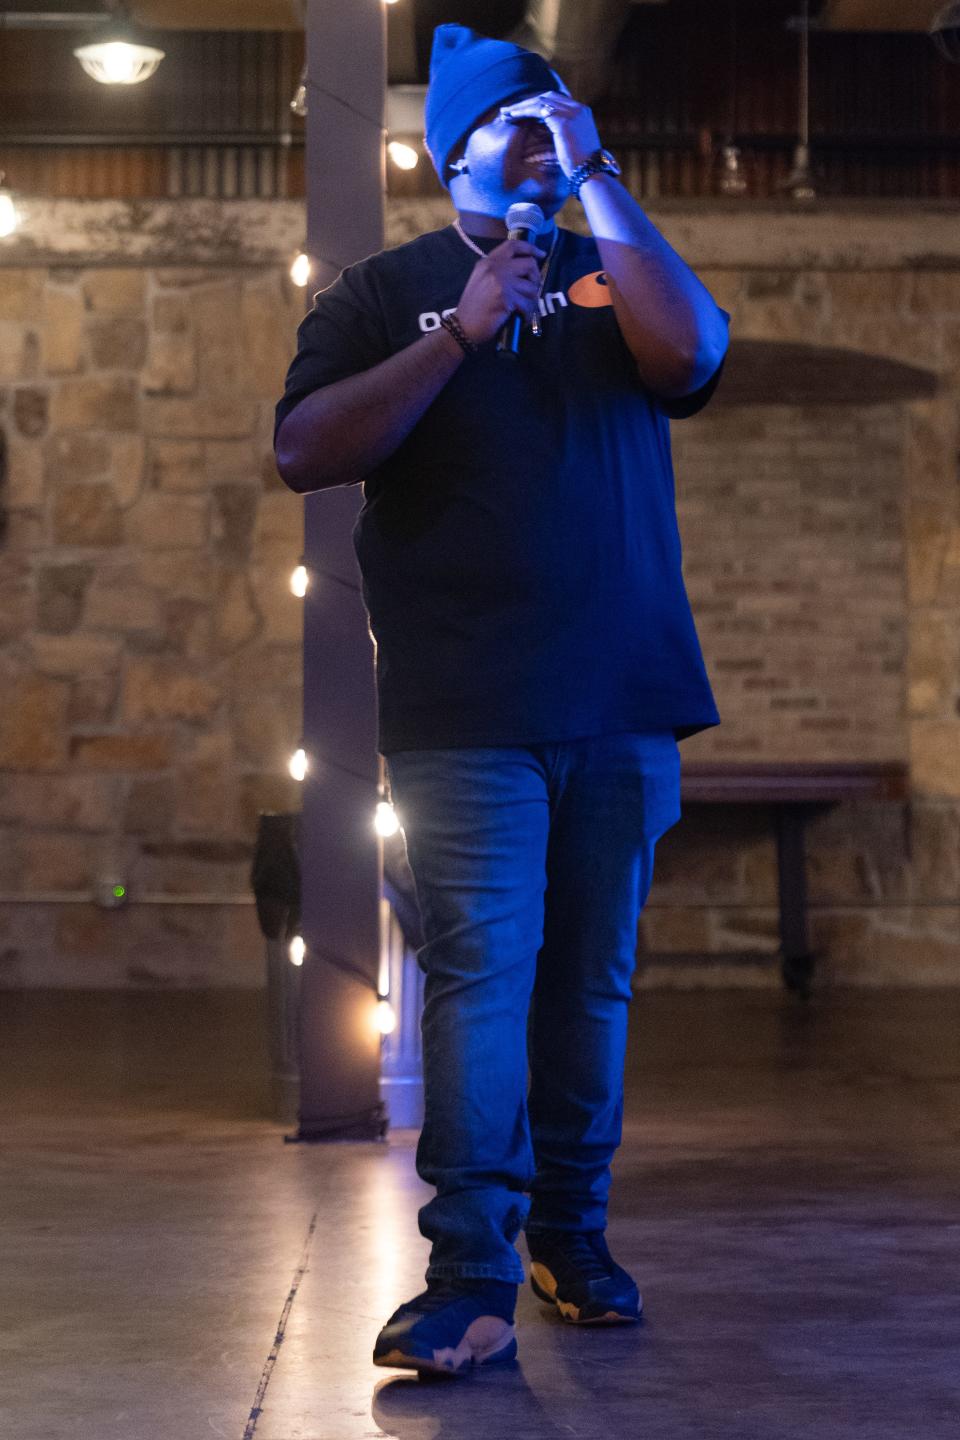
(590, 290)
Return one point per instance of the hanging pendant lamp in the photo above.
(732, 181)
(799, 183)
(119, 57)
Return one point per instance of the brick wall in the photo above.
(150, 648)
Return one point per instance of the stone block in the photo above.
(119, 603)
(93, 699)
(236, 618)
(176, 575)
(61, 592)
(16, 598)
(206, 801)
(18, 350)
(282, 611)
(121, 752)
(31, 412)
(270, 335)
(266, 729)
(935, 758)
(935, 292)
(669, 928)
(56, 861)
(171, 367)
(928, 523)
(220, 341)
(278, 534)
(149, 807)
(232, 462)
(96, 403)
(212, 417)
(21, 293)
(33, 723)
(158, 690)
(71, 802)
(77, 456)
(188, 629)
(933, 663)
(24, 489)
(948, 590)
(234, 516)
(935, 846)
(177, 465)
(161, 521)
(115, 291)
(117, 342)
(127, 462)
(899, 947)
(63, 331)
(86, 514)
(854, 294)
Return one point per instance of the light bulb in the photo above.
(300, 581)
(9, 214)
(403, 156)
(385, 820)
(299, 765)
(297, 949)
(385, 1017)
(300, 270)
(119, 62)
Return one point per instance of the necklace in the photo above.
(544, 268)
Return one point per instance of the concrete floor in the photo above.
(788, 1196)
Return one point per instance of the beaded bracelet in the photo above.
(451, 323)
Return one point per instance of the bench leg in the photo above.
(797, 959)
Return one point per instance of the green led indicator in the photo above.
(119, 891)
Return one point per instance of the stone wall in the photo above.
(150, 647)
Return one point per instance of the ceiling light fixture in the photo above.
(118, 57)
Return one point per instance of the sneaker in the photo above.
(450, 1328)
(575, 1271)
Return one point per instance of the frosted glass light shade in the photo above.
(119, 62)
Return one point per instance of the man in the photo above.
(537, 660)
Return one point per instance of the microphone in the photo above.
(524, 222)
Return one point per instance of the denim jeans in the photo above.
(531, 866)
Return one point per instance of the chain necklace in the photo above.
(544, 268)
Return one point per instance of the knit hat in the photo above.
(468, 74)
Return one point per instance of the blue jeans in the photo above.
(531, 867)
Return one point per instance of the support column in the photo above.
(341, 856)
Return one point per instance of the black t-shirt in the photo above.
(520, 553)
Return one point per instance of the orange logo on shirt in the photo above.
(590, 290)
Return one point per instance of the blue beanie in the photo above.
(468, 74)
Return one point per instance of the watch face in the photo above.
(609, 162)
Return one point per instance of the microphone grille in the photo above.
(525, 217)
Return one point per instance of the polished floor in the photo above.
(787, 1194)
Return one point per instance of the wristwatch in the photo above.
(601, 162)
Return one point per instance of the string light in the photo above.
(300, 581)
(9, 214)
(403, 156)
(296, 950)
(299, 765)
(384, 1017)
(300, 270)
(385, 820)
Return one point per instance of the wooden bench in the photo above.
(794, 792)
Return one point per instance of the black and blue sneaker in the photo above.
(450, 1328)
(574, 1271)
